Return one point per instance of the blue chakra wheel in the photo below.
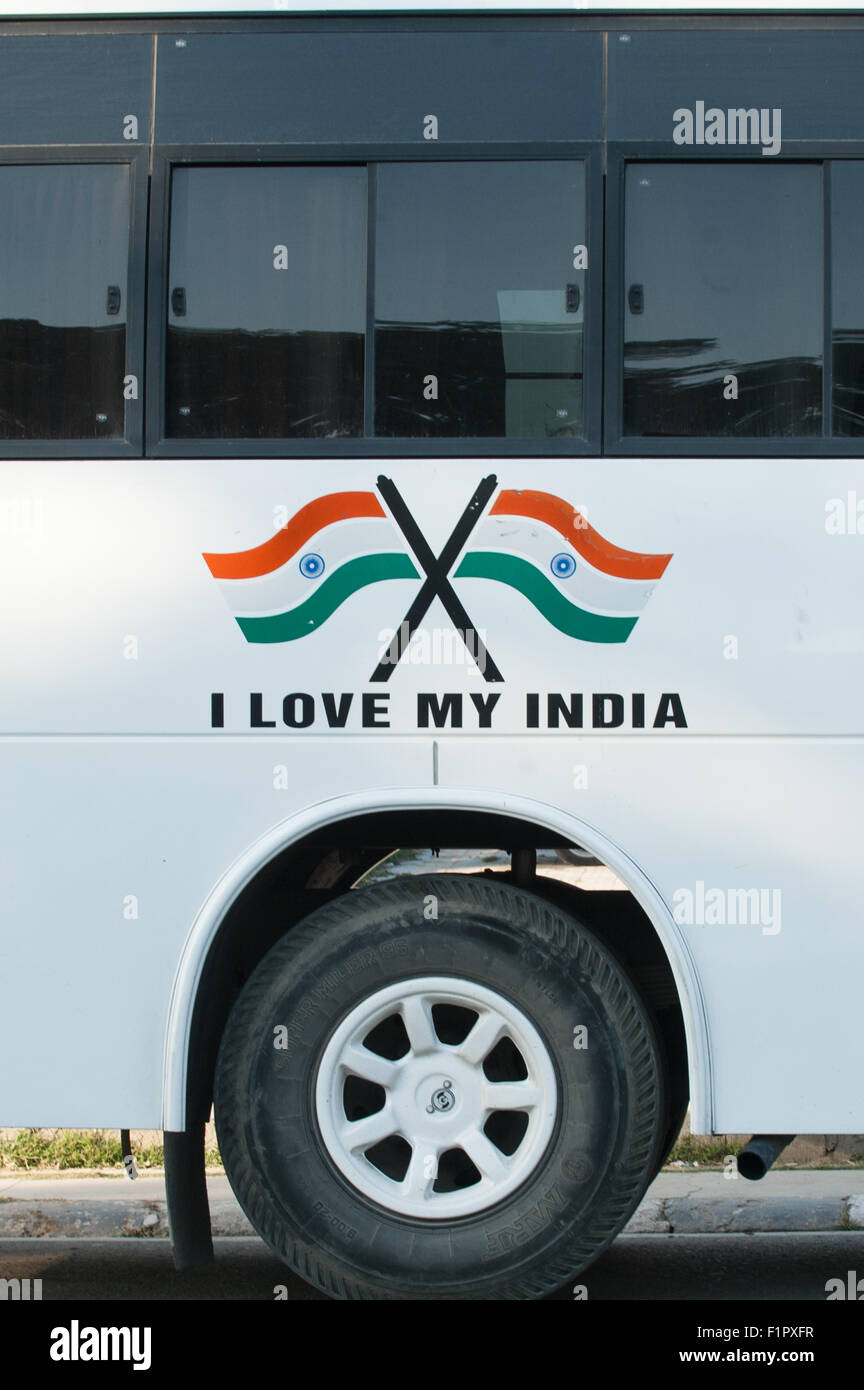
(563, 566)
(312, 566)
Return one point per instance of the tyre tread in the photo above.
(546, 923)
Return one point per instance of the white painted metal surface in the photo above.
(718, 767)
(130, 824)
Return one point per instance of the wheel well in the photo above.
(326, 864)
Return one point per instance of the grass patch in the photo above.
(65, 1149)
(707, 1152)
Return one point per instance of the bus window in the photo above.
(478, 304)
(723, 300)
(266, 303)
(847, 297)
(64, 246)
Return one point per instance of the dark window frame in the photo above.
(597, 372)
(616, 443)
(131, 445)
(167, 158)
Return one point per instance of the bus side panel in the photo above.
(754, 846)
(110, 848)
(730, 714)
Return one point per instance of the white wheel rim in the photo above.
(438, 1100)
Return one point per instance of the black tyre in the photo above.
(439, 1088)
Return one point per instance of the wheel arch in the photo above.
(333, 873)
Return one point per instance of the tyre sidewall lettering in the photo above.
(298, 1186)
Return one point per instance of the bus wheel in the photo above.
(440, 1087)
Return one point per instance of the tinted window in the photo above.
(723, 278)
(267, 302)
(478, 309)
(847, 296)
(64, 247)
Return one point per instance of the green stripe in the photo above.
(315, 610)
(561, 612)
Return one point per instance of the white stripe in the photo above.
(336, 543)
(588, 587)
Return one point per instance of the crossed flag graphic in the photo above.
(536, 543)
(437, 583)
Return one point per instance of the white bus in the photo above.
(431, 429)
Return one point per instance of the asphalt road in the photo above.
(658, 1267)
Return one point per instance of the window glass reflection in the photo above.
(64, 247)
(723, 300)
(267, 300)
(479, 310)
(847, 296)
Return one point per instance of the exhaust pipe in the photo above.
(756, 1158)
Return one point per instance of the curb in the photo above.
(681, 1216)
(57, 1218)
(106, 1210)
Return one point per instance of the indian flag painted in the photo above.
(581, 583)
(290, 585)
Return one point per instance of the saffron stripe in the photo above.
(568, 617)
(569, 523)
(265, 558)
(335, 545)
(341, 584)
(536, 541)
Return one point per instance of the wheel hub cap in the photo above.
(436, 1097)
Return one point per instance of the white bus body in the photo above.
(156, 762)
